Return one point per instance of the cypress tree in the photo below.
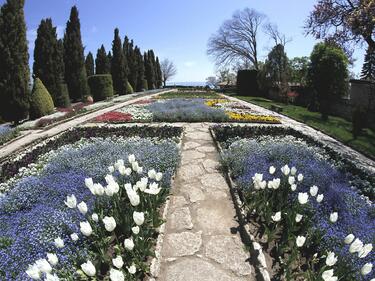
(48, 62)
(133, 66)
(149, 70)
(63, 99)
(110, 61)
(102, 62)
(14, 67)
(368, 68)
(159, 78)
(89, 63)
(118, 66)
(75, 71)
(140, 69)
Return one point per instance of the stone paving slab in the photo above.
(201, 239)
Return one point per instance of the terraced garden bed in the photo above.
(177, 107)
(86, 203)
(308, 208)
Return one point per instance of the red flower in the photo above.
(144, 101)
(114, 116)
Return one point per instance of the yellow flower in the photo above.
(214, 102)
(247, 117)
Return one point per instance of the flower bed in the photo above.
(7, 133)
(189, 110)
(315, 226)
(114, 116)
(110, 234)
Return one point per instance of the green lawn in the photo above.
(336, 127)
(189, 95)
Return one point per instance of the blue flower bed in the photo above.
(185, 110)
(245, 157)
(33, 212)
(7, 133)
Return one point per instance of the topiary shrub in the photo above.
(63, 99)
(41, 102)
(101, 86)
(247, 83)
(129, 88)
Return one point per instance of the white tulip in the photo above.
(300, 177)
(85, 228)
(118, 262)
(111, 169)
(140, 170)
(135, 229)
(276, 217)
(333, 217)
(257, 177)
(366, 269)
(131, 158)
(285, 170)
(331, 259)
(95, 217)
(82, 207)
(132, 269)
(71, 201)
(112, 188)
(366, 249)
(291, 180)
(89, 269)
(33, 272)
(328, 275)
(97, 189)
(299, 217)
(319, 198)
(116, 275)
(119, 163)
(109, 223)
(293, 187)
(303, 198)
(356, 246)
(300, 241)
(349, 239)
(129, 244)
(52, 258)
(274, 184)
(50, 277)
(272, 170)
(59, 243)
(109, 179)
(124, 171)
(74, 236)
(153, 189)
(314, 190)
(293, 171)
(132, 195)
(43, 266)
(158, 176)
(151, 174)
(89, 182)
(139, 218)
(135, 166)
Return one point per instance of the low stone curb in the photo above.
(259, 263)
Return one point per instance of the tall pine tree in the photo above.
(102, 62)
(14, 65)
(118, 66)
(368, 69)
(89, 63)
(140, 70)
(75, 71)
(149, 70)
(133, 66)
(159, 78)
(48, 64)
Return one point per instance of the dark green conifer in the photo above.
(102, 62)
(140, 70)
(89, 63)
(118, 66)
(75, 71)
(368, 68)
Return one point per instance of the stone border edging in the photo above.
(156, 261)
(259, 263)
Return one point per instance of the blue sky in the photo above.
(178, 30)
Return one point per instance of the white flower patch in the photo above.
(139, 112)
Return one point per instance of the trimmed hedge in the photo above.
(41, 102)
(247, 83)
(101, 86)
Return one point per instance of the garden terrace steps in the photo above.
(202, 239)
(37, 135)
(356, 157)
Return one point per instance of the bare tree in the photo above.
(236, 39)
(168, 70)
(273, 32)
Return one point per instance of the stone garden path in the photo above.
(201, 240)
